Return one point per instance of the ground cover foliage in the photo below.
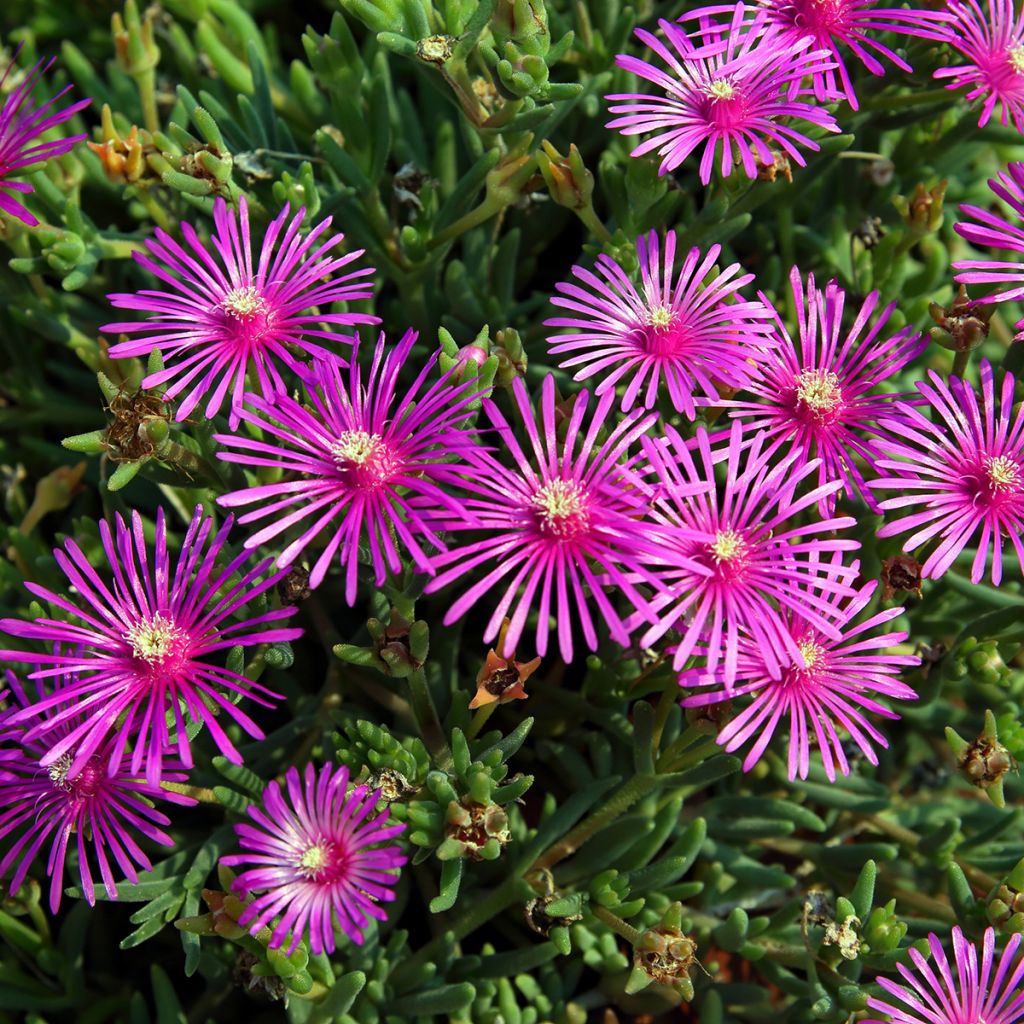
(488, 643)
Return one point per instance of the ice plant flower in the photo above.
(964, 993)
(99, 813)
(139, 640)
(365, 463)
(822, 693)
(736, 563)
(21, 127)
(816, 396)
(961, 477)
(687, 331)
(319, 856)
(225, 317)
(728, 90)
(991, 39)
(834, 26)
(560, 527)
(986, 228)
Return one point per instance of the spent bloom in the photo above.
(837, 25)
(816, 396)
(138, 640)
(687, 331)
(987, 228)
(225, 316)
(823, 693)
(991, 41)
(97, 812)
(21, 126)
(729, 89)
(561, 526)
(365, 463)
(320, 856)
(961, 477)
(962, 993)
(734, 563)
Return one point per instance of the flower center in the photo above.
(818, 394)
(721, 89)
(728, 545)
(813, 654)
(1016, 57)
(1002, 473)
(244, 304)
(154, 640)
(660, 317)
(363, 459)
(562, 509)
(664, 333)
(58, 772)
(84, 784)
(321, 861)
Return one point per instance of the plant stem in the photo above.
(627, 931)
(427, 719)
(480, 720)
(627, 795)
(960, 361)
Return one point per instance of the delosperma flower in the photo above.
(986, 228)
(965, 992)
(685, 332)
(90, 809)
(367, 463)
(139, 640)
(961, 477)
(991, 41)
(756, 561)
(816, 396)
(561, 528)
(321, 858)
(21, 126)
(728, 90)
(821, 694)
(840, 25)
(228, 316)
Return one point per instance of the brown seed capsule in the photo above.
(985, 761)
(901, 572)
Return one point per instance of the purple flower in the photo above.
(21, 124)
(364, 464)
(733, 88)
(561, 527)
(993, 994)
(140, 648)
(830, 685)
(816, 396)
(963, 473)
(98, 811)
(841, 23)
(321, 858)
(733, 564)
(223, 319)
(691, 329)
(992, 41)
(992, 230)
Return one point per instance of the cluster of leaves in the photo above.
(585, 856)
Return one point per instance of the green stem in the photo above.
(146, 83)
(480, 720)
(960, 361)
(427, 719)
(627, 931)
(595, 224)
(484, 212)
(624, 798)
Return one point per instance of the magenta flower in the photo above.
(223, 319)
(100, 812)
(141, 647)
(321, 857)
(561, 527)
(21, 125)
(830, 685)
(964, 473)
(840, 24)
(729, 88)
(990, 229)
(992, 41)
(362, 463)
(691, 330)
(816, 397)
(994, 994)
(732, 565)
